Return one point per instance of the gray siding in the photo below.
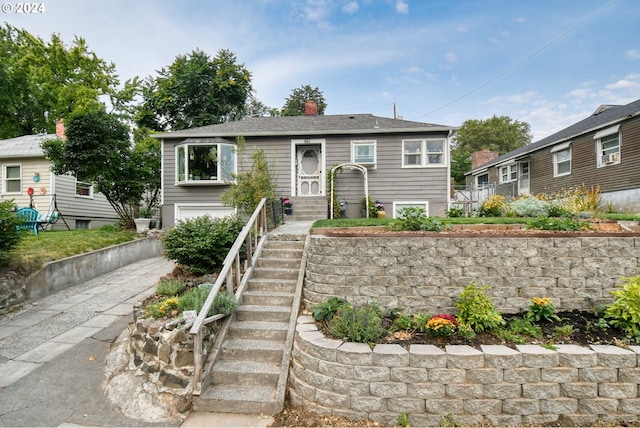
(388, 181)
(96, 210)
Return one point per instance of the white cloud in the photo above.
(450, 57)
(402, 6)
(633, 54)
(351, 7)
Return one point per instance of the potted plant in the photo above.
(142, 221)
(288, 206)
(380, 210)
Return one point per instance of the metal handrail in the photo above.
(231, 276)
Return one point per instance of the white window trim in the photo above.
(424, 155)
(425, 205)
(356, 143)
(5, 179)
(89, 196)
(601, 163)
(486, 172)
(224, 210)
(510, 173)
(218, 181)
(555, 161)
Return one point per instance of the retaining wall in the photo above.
(571, 386)
(425, 274)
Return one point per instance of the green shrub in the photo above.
(529, 207)
(455, 212)
(414, 219)
(202, 243)
(552, 223)
(624, 312)
(557, 210)
(476, 309)
(326, 310)
(224, 303)
(420, 321)
(9, 236)
(361, 324)
(194, 299)
(170, 287)
(373, 211)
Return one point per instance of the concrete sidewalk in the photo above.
(52, 351)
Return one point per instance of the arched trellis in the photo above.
(364, 172)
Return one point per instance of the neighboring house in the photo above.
(24, 167)
(601, 150)
(407, 163)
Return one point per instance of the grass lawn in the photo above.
(55, 245)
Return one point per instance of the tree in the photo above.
(499, 134)
(98, 150)
(195, 90)
(45, 81)
(294, 104)
(253, 185)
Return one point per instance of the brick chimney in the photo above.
(60, 129)
(481, 157)
(310, 108)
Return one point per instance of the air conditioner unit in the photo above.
(611, 158)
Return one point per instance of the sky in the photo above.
(549, 63)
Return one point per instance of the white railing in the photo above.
(231, 274)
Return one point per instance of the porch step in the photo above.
(239, 372)
(263, 313)
(247, 374)
(238, 399)
(267, 284)
(257, 350)
(267, 298)
(308, 208)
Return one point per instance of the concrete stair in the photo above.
(308, 208)
(250, 372)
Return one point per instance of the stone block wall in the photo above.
(496, 386)
(426, 274)
(164, 352)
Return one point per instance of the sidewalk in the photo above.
(52, 351)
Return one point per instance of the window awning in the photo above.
(561, 147)
(607, 131)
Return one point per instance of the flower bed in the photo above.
(496, 385)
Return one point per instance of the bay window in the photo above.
(205, 162)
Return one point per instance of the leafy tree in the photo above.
(498, 134)
(294, 104)
(98, 150)
(195, 90)
(253, 185)
(44, 81)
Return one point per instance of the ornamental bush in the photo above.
(529, 207)
(202, 243)
(624, 312)
(9, 236)
(476, 309)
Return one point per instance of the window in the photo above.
(608, 146)
(482, 180)
(205, 163)
(423, 153)
(12, 182)
(397, 206)
(84, 190)
(562, 162)
(508, 173)
(363, 152)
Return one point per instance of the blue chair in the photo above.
(29, 218)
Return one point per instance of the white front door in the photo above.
(309, 171)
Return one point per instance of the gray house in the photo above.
(27, 180)
(406, 163)
(600, 150)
